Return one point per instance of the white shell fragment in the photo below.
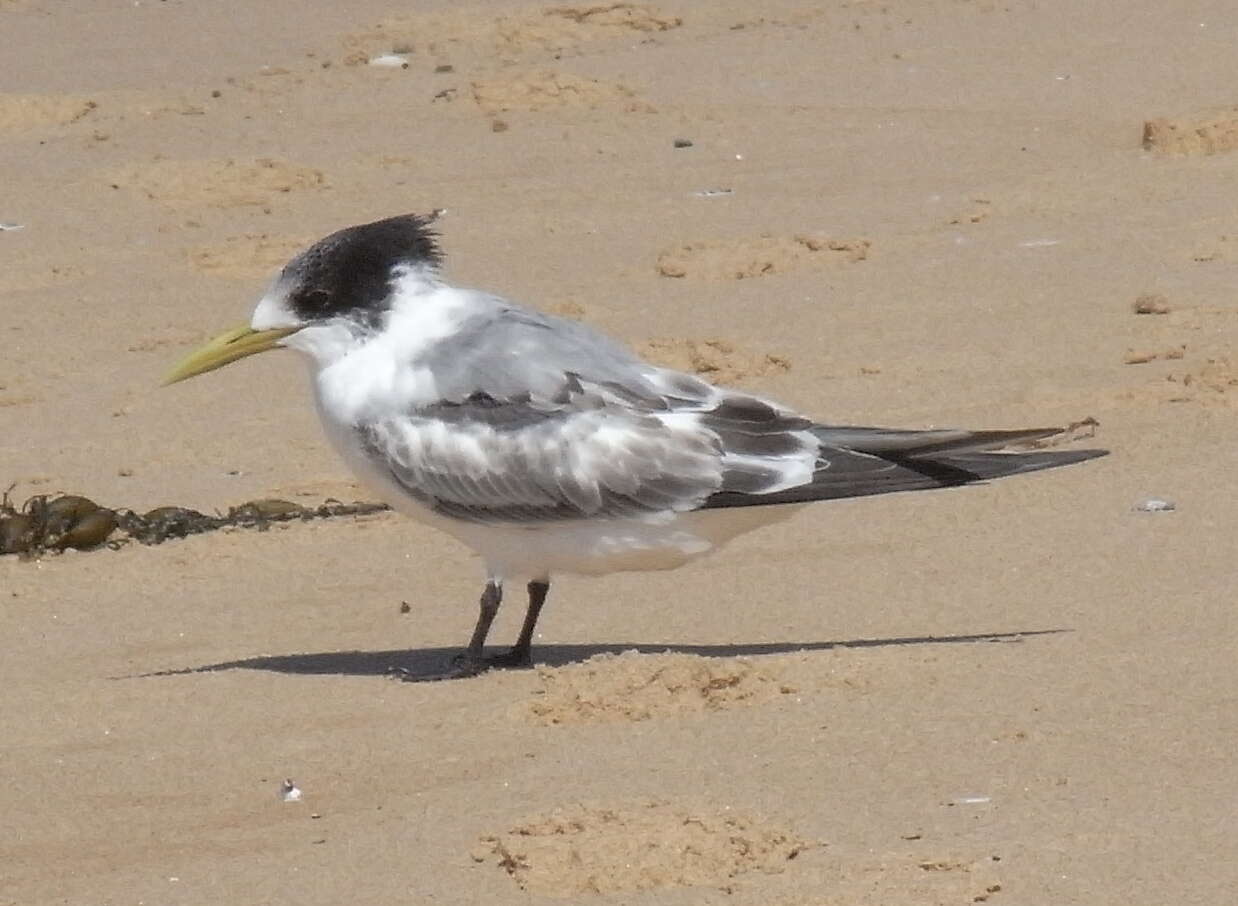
(971, 800)
(713, 193)
(390, 60)
(1155, 505)
(289, 791)
(6, 227)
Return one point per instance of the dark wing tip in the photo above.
(853, 474)
(933, 441)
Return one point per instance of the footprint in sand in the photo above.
(13, 393)
(22, 112)
(550, 90)
(1214, 383)
(744, 258)
(631, 686)
(32, 273)
(221, 182)
(536, 32)
(1204, 133)
(248, 256)
(169, 336)
(916, 874)
(643, 846)
(717, 361)
(559, 28)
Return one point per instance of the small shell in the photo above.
(289, 791)
(390, 61)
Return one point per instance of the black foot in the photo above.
(464, 665)
(515, 659)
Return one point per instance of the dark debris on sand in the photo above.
(46, 523)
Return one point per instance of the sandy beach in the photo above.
(908, 213)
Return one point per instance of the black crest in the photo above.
(349, 272)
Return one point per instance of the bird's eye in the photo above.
(316, 299)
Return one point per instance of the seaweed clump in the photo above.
(46, 523)
(55, 524)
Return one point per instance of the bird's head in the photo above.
(328, 296)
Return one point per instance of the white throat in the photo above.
(360, 372)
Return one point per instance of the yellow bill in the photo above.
(226, 348)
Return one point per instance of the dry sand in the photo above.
(907, 212)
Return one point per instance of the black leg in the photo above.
(521, 653)
(474, 660)
(491, 598)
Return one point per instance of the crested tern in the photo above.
(548, 448)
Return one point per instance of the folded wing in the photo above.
(531, 460)
(542, 420)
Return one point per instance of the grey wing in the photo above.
(542, 419)
(528, 459)
(507, 352)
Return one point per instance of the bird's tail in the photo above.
(859, 461)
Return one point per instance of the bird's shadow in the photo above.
(412, 664)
